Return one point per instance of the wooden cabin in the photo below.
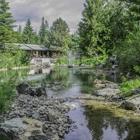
(39, 51)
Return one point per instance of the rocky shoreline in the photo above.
(36, 118)
(110, 92)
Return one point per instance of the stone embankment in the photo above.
(36, 118)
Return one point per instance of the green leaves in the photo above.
(6, 23)
(44, 32)
(59, 34)
(28, 33)
(127, 86)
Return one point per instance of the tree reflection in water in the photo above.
(107, 123)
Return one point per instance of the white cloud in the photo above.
(68, 10)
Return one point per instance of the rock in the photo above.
(105, 84)
(132, 103)
(38, 125)
(40, 91)
(52, 118)
(12, 128)
(39, 137)
(24, 89)
(135, 91)
(106, 92)
(36, 132)
(41, 115)
(36, 116)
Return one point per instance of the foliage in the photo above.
(29, 35)
(128, 54)
(127, 86)
(63, 60)
(43, 32)
(18, 34)
(91, 26)
(6, 24)
(59, 34)
(10, 57)
(96, 59)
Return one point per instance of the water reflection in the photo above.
(39, 71)
(105, 124)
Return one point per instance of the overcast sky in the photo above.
(68, 10)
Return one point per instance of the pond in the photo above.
(93, 120)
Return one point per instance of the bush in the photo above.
(127, 86)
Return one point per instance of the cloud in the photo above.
(68, 10)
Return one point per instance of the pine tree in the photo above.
(6, 23)
(28, 33)
(20, 29)
(59, 36)
(91, 26)
(43, 32)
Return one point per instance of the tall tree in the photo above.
(43, 32)
(104, 24)
(28, 33)
(91, 26)
(6, 23)
(18, 34)
(59, 36)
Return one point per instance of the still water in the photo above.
(94, 120)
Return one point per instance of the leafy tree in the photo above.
(43, 32)
(6, 23)
(28, 33)
(59, 35)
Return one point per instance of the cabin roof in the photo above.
(32, 47)
(36, 47)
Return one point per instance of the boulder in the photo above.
(105, 84)
(24, 88)
(106, 92)
(40, 91)
(133, 103)
(12, 128)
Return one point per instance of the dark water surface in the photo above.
(92, 122)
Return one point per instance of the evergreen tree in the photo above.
(20, 29)
(36, 39)
(104, 25)
(59, 36)
(6, 23)
(43, 32)
(28, 33)
(91, 26)
(18, 34)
